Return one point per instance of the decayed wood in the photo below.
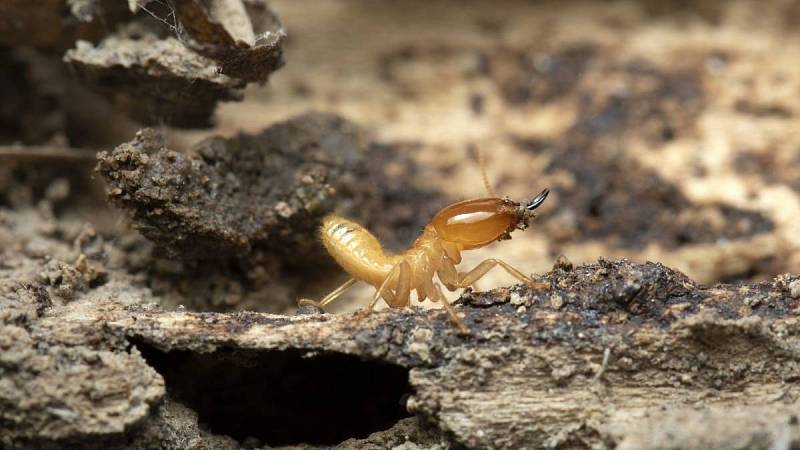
(615, 353)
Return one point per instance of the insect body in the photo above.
(465, 225)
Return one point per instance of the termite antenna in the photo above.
(482, 163)
(538, 200)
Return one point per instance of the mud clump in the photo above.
(227, 197)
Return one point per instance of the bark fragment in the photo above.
(154, 80)
(533, 373)
(244, 37)
(157, 78)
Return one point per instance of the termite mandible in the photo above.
(465, 225)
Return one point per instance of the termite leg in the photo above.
(452, 251)
(475, 286)
(388, 296)
(391, 279)
(439, 296)
(402, 292)
(481, 269)
(426, 291)
(448, 273)
(336, 293)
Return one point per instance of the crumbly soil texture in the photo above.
(164, 167)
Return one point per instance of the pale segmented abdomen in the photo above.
(356, 250)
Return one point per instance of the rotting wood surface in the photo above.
(610, 351)
(614, 355)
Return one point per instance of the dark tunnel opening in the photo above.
(284, 397)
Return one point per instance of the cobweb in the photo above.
(170, 20)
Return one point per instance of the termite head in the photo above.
(479, 222)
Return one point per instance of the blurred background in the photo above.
(666, 130)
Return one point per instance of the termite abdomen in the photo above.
(355, 249)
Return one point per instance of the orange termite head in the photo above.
(479, 222)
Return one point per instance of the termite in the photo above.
(466, 225)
